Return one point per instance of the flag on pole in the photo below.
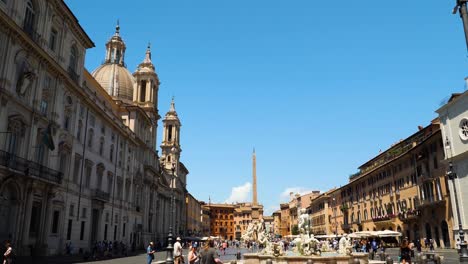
(47, 138)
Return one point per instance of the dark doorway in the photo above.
(445, 234)
(94, 224)
(428, 231)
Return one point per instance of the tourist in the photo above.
(192, 255)
(178, 258)
(209, 255)
(225, 245)
(431, 244)
(150, 253)
(458, 245)
(418, 245)
(405, 252)
(8, 255)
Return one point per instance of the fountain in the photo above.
(307, 250)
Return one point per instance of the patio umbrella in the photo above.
(387, 233)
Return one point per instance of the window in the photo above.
(101, 146)
(82, 230)
(45, 96)
(105, 232)
(143, 91)
(76, 168)
(78, 132)
(90, 138)
(83, 212)
(73, 59)
(35, 219)
(123, 230)
(169, 133)
(55, 222)
(29, 17)
(109, 182)
(100, 171)
(88, 167)
(53, 39)
(71, 212)
(69, 229)
(111, 153)
(66, 122)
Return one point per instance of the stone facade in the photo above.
(78, 160)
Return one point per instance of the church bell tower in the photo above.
(171, 138)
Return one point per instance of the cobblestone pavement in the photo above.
(450, 257)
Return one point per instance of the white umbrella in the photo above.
(360, 234)
(387, 233)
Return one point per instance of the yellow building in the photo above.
(402, 189)
(194, 217)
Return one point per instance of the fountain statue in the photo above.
(344, 245)
(306, 243)
(256, 232)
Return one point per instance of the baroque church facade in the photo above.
(78, 152)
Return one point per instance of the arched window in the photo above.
(365, 214)
(29, 17)
(73, 59)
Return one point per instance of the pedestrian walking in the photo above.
(8, 255)
(209, 255)
(405, 252)
(150, 253)
(193, 256)
(178, 258)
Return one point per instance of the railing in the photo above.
(73, 75)
(29, 168)
(381, 218)
(100, 195)
(429, 201)
(409, 215)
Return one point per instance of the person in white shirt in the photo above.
(178, 258)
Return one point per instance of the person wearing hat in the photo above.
(178, 258)
(192, 255)
(150, 253)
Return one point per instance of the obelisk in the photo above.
(255, 207)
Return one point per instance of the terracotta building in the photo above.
(221, 220)
(243, 216)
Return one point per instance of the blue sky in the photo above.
(317, 88)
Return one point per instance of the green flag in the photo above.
(47, 138)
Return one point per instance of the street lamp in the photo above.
(461, 8)
(170, 248)
(463, 246)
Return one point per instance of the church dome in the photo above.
(116, 80)
(112, 75)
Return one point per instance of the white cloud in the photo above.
(285, 195)
(240, 194)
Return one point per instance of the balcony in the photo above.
(383, 218)
(73, 75)
(29, 168)
(430, 201)
(100, 195)
(409, 215)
